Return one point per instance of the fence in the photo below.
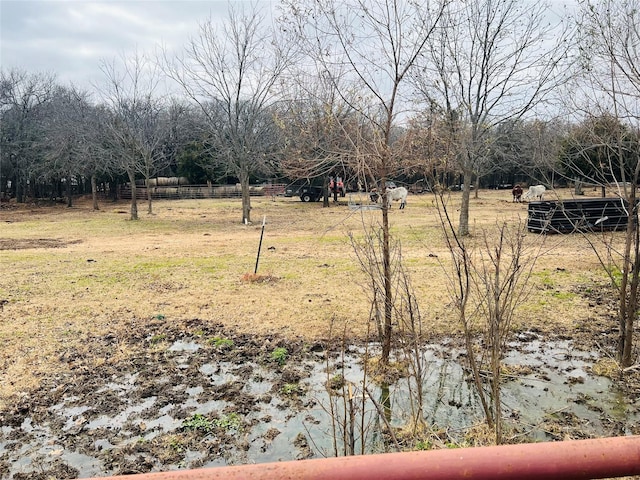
(176, 192)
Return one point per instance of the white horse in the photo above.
(399, 193)
(535, 191)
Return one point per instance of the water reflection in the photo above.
(548, 392)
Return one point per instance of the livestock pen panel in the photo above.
(567, 216)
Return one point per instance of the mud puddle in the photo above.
(213, 398)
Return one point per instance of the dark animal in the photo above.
(517, 193)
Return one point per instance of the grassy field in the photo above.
(73, 276)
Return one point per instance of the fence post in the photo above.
(264, 221)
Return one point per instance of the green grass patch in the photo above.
(563, 295)
(158, 338)
(545, 279)
(221, 343)
(228, 422)
(292, 389)
(198, 422)
(279, 355)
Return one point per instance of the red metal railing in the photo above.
(576, 459)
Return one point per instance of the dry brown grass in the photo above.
(73, 274)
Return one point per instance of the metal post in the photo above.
(264, 221)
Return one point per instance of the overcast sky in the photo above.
(69, 37)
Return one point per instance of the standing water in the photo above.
(201, 404)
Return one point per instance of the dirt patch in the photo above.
(24, 243)
(58, 470)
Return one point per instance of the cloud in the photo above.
(71, 37)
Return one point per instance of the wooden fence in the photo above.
(177, 192)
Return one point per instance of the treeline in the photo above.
(441, 94)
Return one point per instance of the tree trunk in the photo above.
(19, 189)
(147, 175)
(94, 193)
(386, 265)
(463, 227)
(246, 198)
(495, 325)
(149, 198)
(629, 286)
(134, 193)
(68, 191)
(325, 193)
(114, 187)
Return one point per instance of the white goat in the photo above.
(535, 191)
(399, 193)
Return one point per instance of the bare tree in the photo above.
(70, 131)
(232, 72)
(523, 150)
(21, 97)
(487, 280)
(137, 123)
(604, 151)
(319, 131)
(541, 143)
(427, 149)
(493, 61)
(608, 92)
(368, 49)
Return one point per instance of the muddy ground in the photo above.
(199, 395)
(62, 415)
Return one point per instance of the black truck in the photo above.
(306, 192)
(310, 193)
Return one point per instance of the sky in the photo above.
(71, 37)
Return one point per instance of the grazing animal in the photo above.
(535, 191)
(517, 193)
(399, 193)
